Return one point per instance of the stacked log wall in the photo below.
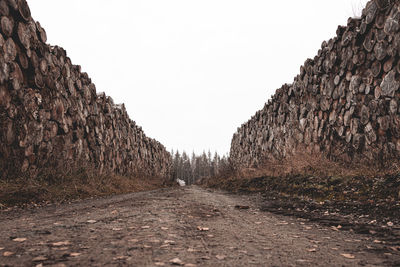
(343, 104)
(52, 119)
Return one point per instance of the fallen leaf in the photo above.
(390, 224)
(220, 257)
(146, 246)
(61, 248)
(146, 227)
(258, 222)
(1, 248)
(39, 258)
(159, 264)
(176, 261)
(312, 250)
(91, 221)
(120, 258)
(117, 229)
(169, 242)
(19, 239)
(133, 240)
(348, 256)
(211, 236)
(396, 248)
(164, 228)
(75, 254)
(8, 253)
(387, 254)
(203, 228)
(61, 243)
(190, 265)
(377, 241)
(114, 212)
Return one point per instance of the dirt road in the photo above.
(187, 226)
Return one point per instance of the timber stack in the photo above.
(344, 104)
(51, 117)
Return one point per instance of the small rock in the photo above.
(390, 224)
(91, 221)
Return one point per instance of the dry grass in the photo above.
(80, 185)
(315, 177)
(317, 165)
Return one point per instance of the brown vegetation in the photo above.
(72, 186)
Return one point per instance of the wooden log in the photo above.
(5, 97)
(24, 10)
(7, 25)
(24, 35)
(371, 10)
(13, 4)
(389, 84)
(23, 60)
(41, 32)
(369, 42)
(10, 50)
(16, 76)
(376, 68)
(388, 65)
(380, 50)
(380, 21)
(4, 10)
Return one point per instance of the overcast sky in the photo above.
(191, 72)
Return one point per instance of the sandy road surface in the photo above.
(179, 226)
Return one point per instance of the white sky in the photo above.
(191, 71)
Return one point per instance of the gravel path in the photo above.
(187, 226)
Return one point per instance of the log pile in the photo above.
(344, 103)
(51, 116)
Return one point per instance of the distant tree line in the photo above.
(196, 167)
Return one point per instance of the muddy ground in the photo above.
(190, 226)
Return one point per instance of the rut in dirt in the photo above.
(187, 226)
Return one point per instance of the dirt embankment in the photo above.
(180, 226)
